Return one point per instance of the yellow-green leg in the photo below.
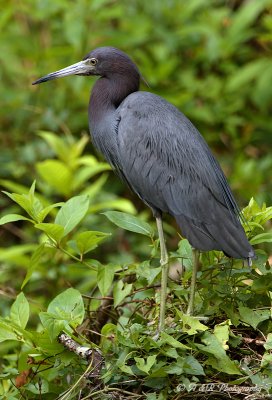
(164, 273)
(190, 308)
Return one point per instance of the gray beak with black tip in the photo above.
(81, 68)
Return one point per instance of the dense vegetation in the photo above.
(74, 256)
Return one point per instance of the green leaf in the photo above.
(12, 218)
(7, 332)
(87, 241)
(129, 222)
(165, 338)
(123, 205)
(148, 272)
(41, 215)
(218, 358)
(54, 231)
(67, 309)
(57, 174)
(252, 317)
(57, 144)
(40, 389)
(145, 365)
(222, 331)
(268, 343)
(262, 238)
(105, 275)
(53, 324)
(19, 312)
(72, 212)
(186, 253)
(34, 262)
(191, 325)
(68, 305)
(120, 291)
(83, 174)
(28, 202)
(192, 367)
(44, 342)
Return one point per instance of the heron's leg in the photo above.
(193, 282)
(164, 273)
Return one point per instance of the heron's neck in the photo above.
(108, 94)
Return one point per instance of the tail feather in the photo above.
(226, 235)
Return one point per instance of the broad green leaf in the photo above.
(120, 291)
(175, 368)
(123, 205)
(191, 325)
(44, 342)
(57, 144)
(28, 202)
(57, 174)
(78, 147)
(145, 364)
(185, 251)
(129, 222)
(7, 332)
(268, 343)
(87, 241)
(165, 338)
(12, 218)
(40, 389)
(262, 238)
(218, 358)
(65, 311)
(53, 324)
(262, 284)
(41, 215)
(72, 212)
(34, 262)
(10, 330)
(105, 275)
(68, 305)
(192, 366)
(221, 331)
(54, 231)
(83, 174)
(148, 272)
(19, 312)
(252, 317)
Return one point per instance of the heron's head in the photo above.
(103, 61)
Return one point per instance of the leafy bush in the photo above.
(119, 305)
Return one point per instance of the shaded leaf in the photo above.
(129, 222)
(252, 317)
(120, 291)
(105, 275)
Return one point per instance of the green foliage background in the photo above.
(213, 60)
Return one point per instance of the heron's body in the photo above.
(161, 156)
(166, 161)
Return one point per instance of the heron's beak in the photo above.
(80, 68)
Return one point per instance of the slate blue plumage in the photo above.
(163, 157)
(160, 154)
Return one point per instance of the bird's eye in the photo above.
(93, 61)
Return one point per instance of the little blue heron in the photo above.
(162, 157)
